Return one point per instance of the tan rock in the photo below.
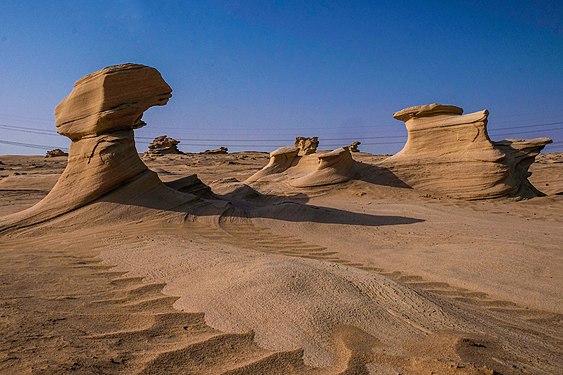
(354, 146)
(111, 99)
(316, 169)
(280, 160)
(163, 145)
(55, 152)
(307, 145)
(99, 116)
(220, 150)
(451, 154)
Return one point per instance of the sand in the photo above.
(358, 278)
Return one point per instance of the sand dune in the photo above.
(288, 269)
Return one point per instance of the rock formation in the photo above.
(55, 152)
(220, 150)
(354, 146)
(307, 145)
(163, 145)
(99, 116)
(317, 169)
(451, 154)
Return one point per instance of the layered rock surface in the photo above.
(55, 153)
(317, 169)
(307, 145)
(163, 145)
(99, 116)
(451, 154)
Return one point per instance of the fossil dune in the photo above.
(451, 154)
(189, 270)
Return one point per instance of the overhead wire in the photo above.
(493, 131)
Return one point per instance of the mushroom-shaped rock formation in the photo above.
(317, 169)
(55, 152)
(451, 154)
(99, 116)
(354, 146)
(163, 145)
(307, 145)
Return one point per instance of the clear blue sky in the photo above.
(272, 70)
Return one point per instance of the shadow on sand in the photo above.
(247, 202)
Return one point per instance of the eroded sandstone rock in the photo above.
(55, 152)
(302, 171)
(307, 145)
(163, 145)
(220, 150)
(99, 116)
(451, 154)
(354, 146)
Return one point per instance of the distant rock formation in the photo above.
(55, 152)
(354, 146)
(317, 169)
(307, 145)
(451, 154)
(163, 145)
(99, 116)
(220, 150)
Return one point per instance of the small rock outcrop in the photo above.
(354, 146)
(451, 154)
(55, 152)
(307, 145)
(220, 150)
(302, 171)
(163, 145)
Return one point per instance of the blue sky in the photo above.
(252, 75)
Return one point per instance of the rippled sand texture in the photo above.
(360, 277)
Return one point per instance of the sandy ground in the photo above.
(357, 278)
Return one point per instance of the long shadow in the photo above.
(250, 203)
(189, 196)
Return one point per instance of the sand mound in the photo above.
(451, 154)
(316, 169)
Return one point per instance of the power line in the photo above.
(556, 114)
(525, 132)
(32, 145)
(45, 147)
(285, 140)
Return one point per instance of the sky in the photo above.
(253, 75)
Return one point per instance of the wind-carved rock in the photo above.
(55, 153)
(354, 146)
(99, 116)
(451, 154)
(307, 145)
(302, 171)
(280, 160)
(220, 150)
(163, 145)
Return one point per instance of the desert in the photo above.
(434, 260)
(281, 187)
